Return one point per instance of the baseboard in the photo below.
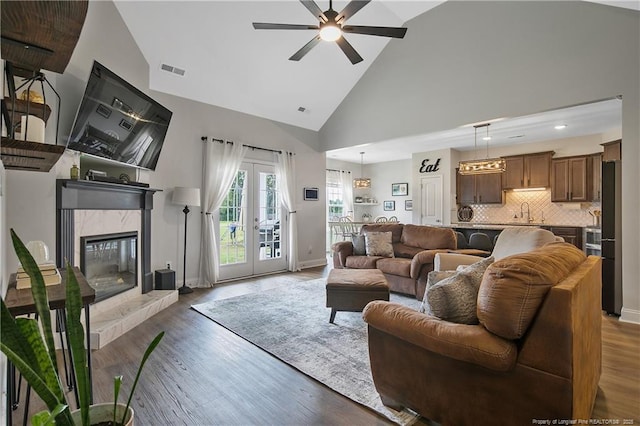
(630, 315)
(312, 263)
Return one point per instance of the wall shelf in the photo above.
(32, 156)
(366, 204)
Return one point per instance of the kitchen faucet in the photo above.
(529, 219)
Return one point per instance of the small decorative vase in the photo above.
(103, 414)
(74, 172)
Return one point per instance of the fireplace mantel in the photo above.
(90, 195)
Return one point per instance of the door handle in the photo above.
(255, 227)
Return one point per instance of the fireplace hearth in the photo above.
(110, 262)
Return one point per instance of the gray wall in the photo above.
(105, 38)
(466, 62)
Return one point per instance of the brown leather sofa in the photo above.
(414, 247)
(535, 355)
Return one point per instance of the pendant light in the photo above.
(361, 182)
(488, 165)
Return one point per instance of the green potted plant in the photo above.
(30, 347)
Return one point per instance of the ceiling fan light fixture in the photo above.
(330, 32)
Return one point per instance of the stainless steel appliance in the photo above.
(592, 241)
(611, 237)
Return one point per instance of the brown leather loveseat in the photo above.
(414, 248)
(534, 356)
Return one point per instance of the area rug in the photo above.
(292, 323)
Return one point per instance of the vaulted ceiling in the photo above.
(227, 63)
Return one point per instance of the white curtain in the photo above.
(285, 176)
(219, 168)
(347, 194)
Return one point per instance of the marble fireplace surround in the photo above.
(91, 208)
(100, 207)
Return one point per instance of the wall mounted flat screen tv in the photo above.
(118, 122)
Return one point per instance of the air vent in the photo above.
(172, 69)
(302, 109)
(516, 136)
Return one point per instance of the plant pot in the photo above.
(104, 413)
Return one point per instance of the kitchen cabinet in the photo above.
(479, 189)
(612, 151)
(527, 171)
(569, 179)
(596, 176)
(571, 234)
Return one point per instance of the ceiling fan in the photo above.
(332, 28)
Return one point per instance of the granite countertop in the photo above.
(478, 225)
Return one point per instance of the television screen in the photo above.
(118, 122)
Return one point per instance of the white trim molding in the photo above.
(312, 263)
(630, 315)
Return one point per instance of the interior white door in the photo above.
(251, 237)
(431, 208)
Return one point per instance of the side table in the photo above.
(20, 302)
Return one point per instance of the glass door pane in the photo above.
(270, 239)
(233, 223)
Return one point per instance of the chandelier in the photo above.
(488, 165)
(361, 182)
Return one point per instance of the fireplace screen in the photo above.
(109, 262)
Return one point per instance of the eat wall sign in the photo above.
(427, 167)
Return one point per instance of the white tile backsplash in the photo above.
(569, 214)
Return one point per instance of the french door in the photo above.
(251, 233)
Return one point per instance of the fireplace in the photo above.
(110, 262)
(111, 208)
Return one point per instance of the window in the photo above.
(335, 196)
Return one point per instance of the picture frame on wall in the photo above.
(408, 205)
(103, 110)
(399, 189)
(311, 194)
(389, 206)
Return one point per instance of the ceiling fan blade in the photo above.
(314, 9)
(394, 32)
(348, 50)
(351, 9)
(305, 49)
(267, 26)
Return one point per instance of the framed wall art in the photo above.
(408, 205)
(103, 110)
(399, 189)
(389, 206)
(311, 194)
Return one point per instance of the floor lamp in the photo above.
(185, 197)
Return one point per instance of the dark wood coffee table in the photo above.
(351, 289)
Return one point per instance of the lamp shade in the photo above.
(186, 196)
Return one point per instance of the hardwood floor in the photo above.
(202, 374)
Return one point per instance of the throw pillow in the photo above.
(378, 244)
(359, 248)
(454, 298)
(434, 277)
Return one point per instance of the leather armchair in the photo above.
(536, 353)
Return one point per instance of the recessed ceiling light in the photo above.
(560, 126)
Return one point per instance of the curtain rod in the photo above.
(336, 170)
(205, 138)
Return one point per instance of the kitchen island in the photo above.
(571, 234)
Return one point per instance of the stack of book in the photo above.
(49, 272)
